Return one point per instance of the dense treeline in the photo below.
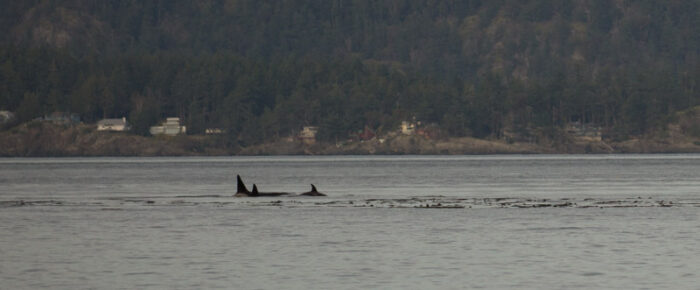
(263, 68)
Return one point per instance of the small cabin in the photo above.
(408, 128)
(213, 131)
(115, 125)
(308, 135)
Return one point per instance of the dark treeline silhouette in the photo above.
(261, 69)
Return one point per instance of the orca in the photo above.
(256, 193)
(313, 192)
(242, 191)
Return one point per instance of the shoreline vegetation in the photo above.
(45, 139)
(249, 77)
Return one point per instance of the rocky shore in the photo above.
(41, 139)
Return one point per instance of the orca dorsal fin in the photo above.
(241, 185)
(255, 190)
(313, 188)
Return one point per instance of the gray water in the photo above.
(629, 222)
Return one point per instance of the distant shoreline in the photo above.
(50, 140)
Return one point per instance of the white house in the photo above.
(171, 127)
(118, 125)
(408, 128)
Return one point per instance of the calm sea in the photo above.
(388, 222)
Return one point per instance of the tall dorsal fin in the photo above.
(241, 185)
(255, 190)
(313, 188)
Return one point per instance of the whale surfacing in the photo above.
(313, 192)
(242, 191)
(256, 193)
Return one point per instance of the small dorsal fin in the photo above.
(255, 190)
(241, 185)
(313, 192)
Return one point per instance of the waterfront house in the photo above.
(585, 131)
(308, 135)
(213, 131)
(64, 118)
(171, 127)
(408, 128)
(116, 125)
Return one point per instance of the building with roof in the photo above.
(171, 127)
(308, 135)
(65, 118)
(115, 125)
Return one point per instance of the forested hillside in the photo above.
(261, 69)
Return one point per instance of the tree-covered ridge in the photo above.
(446, 35)
(262, 68)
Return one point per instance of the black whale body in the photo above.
(242, 191)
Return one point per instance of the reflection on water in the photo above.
(168, 223)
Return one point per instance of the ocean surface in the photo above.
(388, 222)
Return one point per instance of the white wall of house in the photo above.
(118, 125)
(171, 127)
